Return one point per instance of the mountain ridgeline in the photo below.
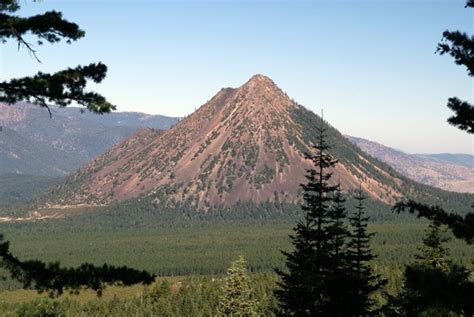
(453, 172)
(244, 145)
(32, 143)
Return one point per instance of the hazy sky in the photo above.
(369, 64)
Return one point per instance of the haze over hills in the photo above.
(33, 144)
(36, 151)
(457, 159)
(453, 172)
(245, 144)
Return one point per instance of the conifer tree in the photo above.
(339, 286)
(303, 289)
(337, 230)
(237, 298)
(433, 284)
(364, 282)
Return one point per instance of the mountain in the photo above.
(246, 144)
(32, 143)
(466, 160)
(453, 172)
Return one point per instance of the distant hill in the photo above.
(454, 172)
(33, 144)
(466, 160)
(15, 188)
(246, 144)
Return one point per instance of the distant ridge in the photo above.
(33, 144)
(453, 172)
(466, 160)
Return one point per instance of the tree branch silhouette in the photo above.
(462, 227)
(61, 88)
(54, 279)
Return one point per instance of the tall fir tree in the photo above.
(337, 230)
(363, 281)
(237, 298)
(339, 286)
(303, 289)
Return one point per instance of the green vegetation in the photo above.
(328, 272)
(237, 298)
(265, 176)
(199, 246)
(16, 188)
(191, 296)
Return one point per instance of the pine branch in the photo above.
(52, 278)
(463, 118)
(62, 88)
(460, 46)
(49, 26)
(462, 228)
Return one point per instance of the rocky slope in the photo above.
(245, 144)
(449, 172)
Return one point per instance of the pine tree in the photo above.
(337, 230)
(433, 252)
(339, 286)
(237, 298)
(303, 289)
(433, 284)
(364, 282)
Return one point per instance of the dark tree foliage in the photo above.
(303, 289)
(433, 284)
(54, 279)
(363, 282)
(61, 88)
(461, 47)
(337, 230)
(462, 227)
(339, 280)
(464, 114)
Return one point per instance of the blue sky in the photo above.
(369, 64)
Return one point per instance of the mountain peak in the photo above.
(261, 95)
(244, 144)
(260, 81)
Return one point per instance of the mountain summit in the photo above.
(245, 144)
